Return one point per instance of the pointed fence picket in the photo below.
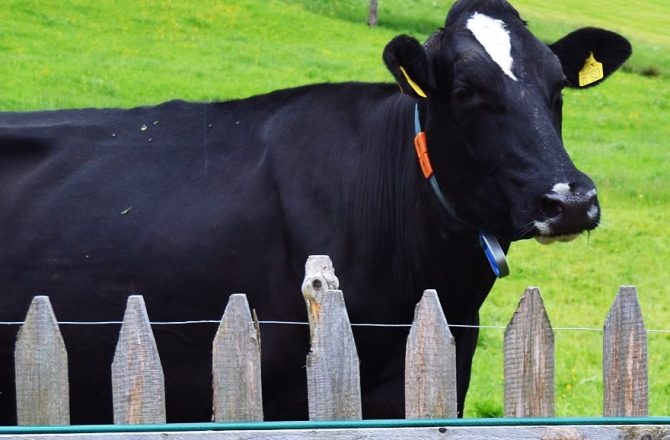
(138, 386)
(430, 363)
(236, 365)
(625, 357)
(529, 360)
(40, 359)
(332, 363)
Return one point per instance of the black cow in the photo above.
(187, 203)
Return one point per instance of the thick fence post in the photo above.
(236, 365)
(625, 357)
(42, 388)
(529, 360)
(430, 363)
(138, 386)
(333, 378)
(319, 276)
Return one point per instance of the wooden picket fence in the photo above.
(333, 385)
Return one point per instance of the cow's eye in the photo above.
(463, 93)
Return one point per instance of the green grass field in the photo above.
(76, 53)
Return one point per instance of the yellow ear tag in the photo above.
(591, 72)
(412, 84)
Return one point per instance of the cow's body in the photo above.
(187, 203)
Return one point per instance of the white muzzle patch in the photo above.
(493, 35)
(545, 236)
(549, 240)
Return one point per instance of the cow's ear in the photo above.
(590, 55)
(408, 61)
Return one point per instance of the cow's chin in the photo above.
(549, 239)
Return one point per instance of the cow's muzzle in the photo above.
(567, 211)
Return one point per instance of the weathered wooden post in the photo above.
(430, 363)
(625, 357)
(319, 277)
(138, 386)
(333, 378)
(42, 387)
(529, 360)
(373, 13)
(236, 365)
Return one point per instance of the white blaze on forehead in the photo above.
(491, 34)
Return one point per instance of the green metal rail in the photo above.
(346, 424)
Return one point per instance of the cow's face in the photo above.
(490, 99)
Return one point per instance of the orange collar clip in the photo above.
(422, 153)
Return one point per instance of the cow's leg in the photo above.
(382, 365)
(466, 342)
(7, 385)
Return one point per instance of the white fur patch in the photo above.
(492, 34)
(543, 227)
(592, 212)
(561, 188)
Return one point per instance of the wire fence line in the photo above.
(353, 324)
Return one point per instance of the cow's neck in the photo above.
(452, 261)
(421, 148)
(451, 255)
(491, 247)
(430, 247)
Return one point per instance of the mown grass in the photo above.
(73, 53)
(76, 53)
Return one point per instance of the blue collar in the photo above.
(489, 243)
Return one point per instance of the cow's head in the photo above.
(490, 99)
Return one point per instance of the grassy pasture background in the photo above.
(76, 53)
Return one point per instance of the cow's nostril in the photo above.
(551, 205)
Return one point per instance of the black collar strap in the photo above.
(492, 249)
